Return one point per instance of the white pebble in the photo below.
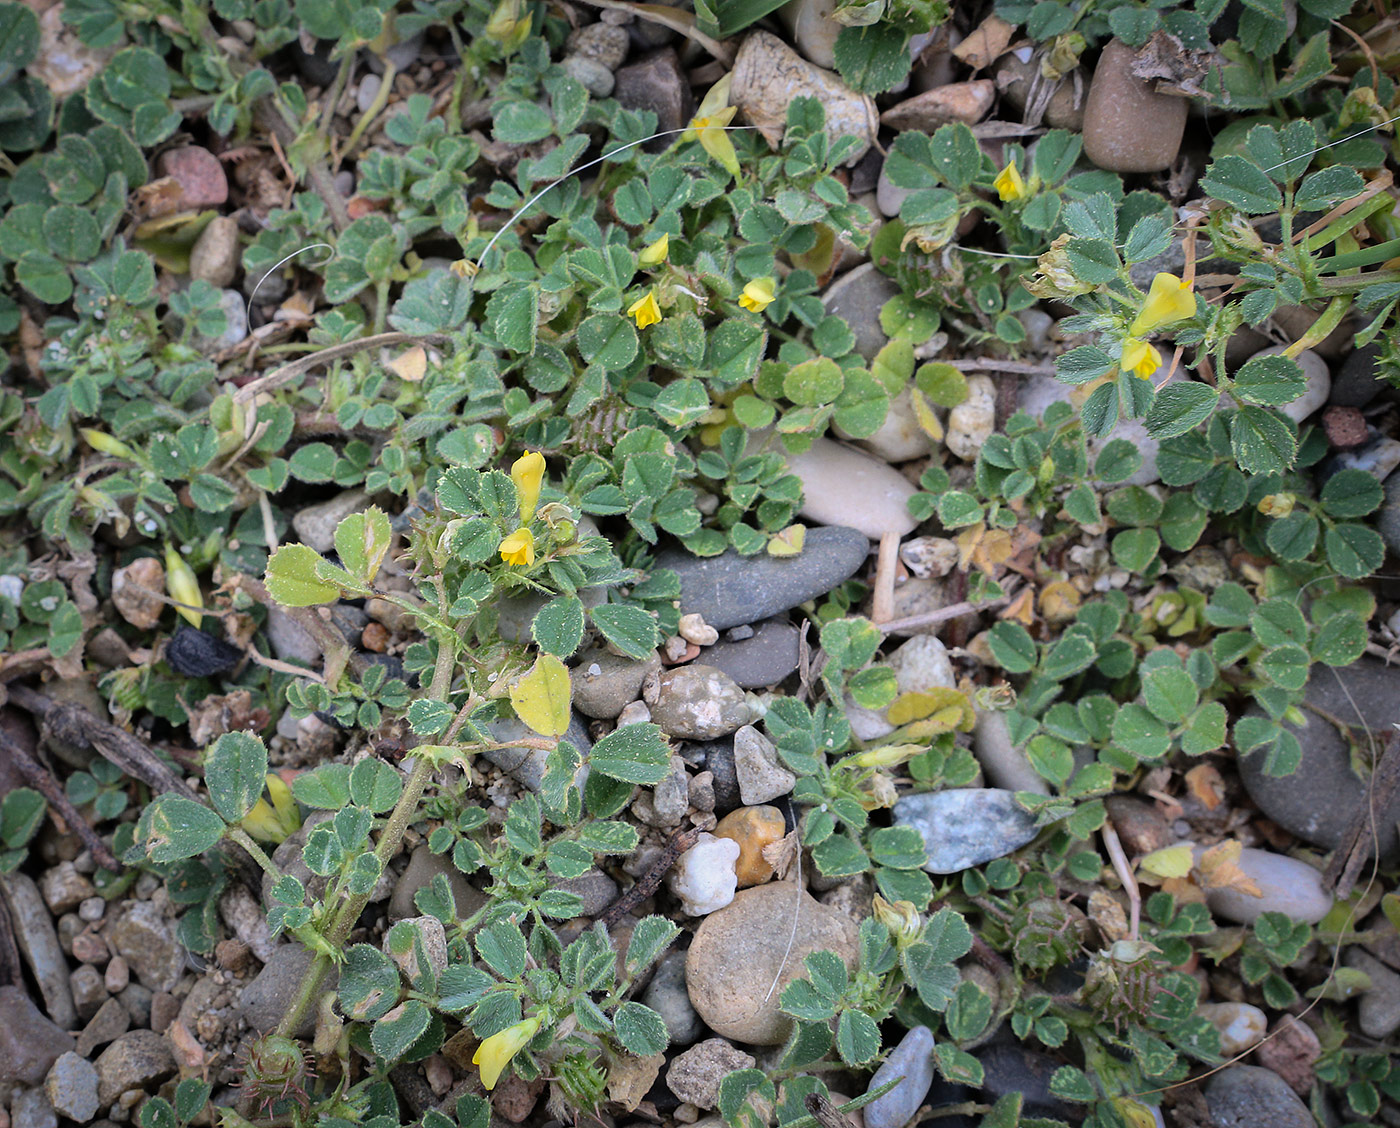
(92, 909)
(704, 877)
(693, 628)
(636, 713)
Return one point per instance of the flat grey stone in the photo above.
(39, 942)
(71, 1087)
(528, 764)
(857, 297)
(266, 999)
(729, 589)
(666, 995)
(763, 659)
(912, 1060)
(966, 826)
(29, 1042)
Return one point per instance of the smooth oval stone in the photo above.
(845, 486)
(912, 1059)
(966, 826)
(857, 297)
(1238, 1024)
(1246, 1096)
(1286, 886)
(729, 589)
(763, 659)
(1128, 126)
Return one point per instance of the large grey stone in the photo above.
(666, 995)
(845, 486)
(71, 1087)
(857, 297)
(911, 1060)
(696, 702)
(765, 658)
(729, 589)
(1285, 885)
(1246, 1096)
(266, 999)
(143, 936)
(134, 1061)
(966, 826)
(29, 1042)
(39, 942)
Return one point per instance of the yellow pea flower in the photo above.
(274, 822)
(644, 311)
(655, 254)
(1009, 184)
(887, 755)
(1139, 358)
(1169, 300)
(494, 1054)
(104, 443)
(758, 295)
(527, 473)
(182, 585)
(707, 126)
(518, 549)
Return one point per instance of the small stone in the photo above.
(605, 683)
(29, 1042)
(290, 641)
(142, 936)
(737, 955)
(966, 826)
(1290, 1051)
(1345, 427)
(38, 940)
(63, 888)
(889, 197)
(1360, 379)
(1388, 521)
(702, 791)
(966, 102)
(857, 297)
(1246, 1096)
(1379, 1009)
(90, 948)
(760, 773)
(813, 29)
(117, 976)
(695, 1075)
(92, 910)
(89, 991)
(693, 628)
(65, 64)
(199, 174)
(752, 828)
(656, 83)
(215, 255)
(845, 486)
(592, 75)
(136, 590)
(678, 650)
(765, 657)
(1128, 126)
(729, 589)
(367, 91)
(134, 1061)
(900, 437)
(634, 713)
(423, 866)
(1378, 456)
(593, 887)
(1239, 1025)
(671, 797)
(912, 1060)
(1011, 1068)
(31, 1109)
(71, 1087)
(165, 1009)
(235, 320)
(971, 423)
(696, 702)
(1003, 763)
(1140, 826)
(666, 995)
(266, 999)
(718, 758)
(245, 918)
(1286, 886)
(920, 664)
(196, 654)
(137, 1002)
(316, 524)
(703, 877)
(601, 42)
(1015, 78)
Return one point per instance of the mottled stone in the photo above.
(143, 936)
(703, 877)
(199, 174)
(658, 84)
(964, 827)
(1239, 1025)
(605, 683)
(71, 1087)
(695, 1075)
(134, 1061)
(760, 773)
(666, 995)
(215, 254)
(110, 1022)
(1128, 126)
(1246, 1096)
(753, 828)
(696, 702)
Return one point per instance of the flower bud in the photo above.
(183, 586)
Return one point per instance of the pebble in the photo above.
(696, 702)
(966, 102)
(1140, 826)
(29, 1042)
(143, 936)
(889, 197)
(919, 664)
(165, 1009)
(730, 589)
(1128, 126)
(717, 757)
(31, 1109)
(1379, 457)
(316, 524)
(137, 1001)
(1003, 763)
(1246, 1096)
(134, 1061)
(92, 909)
(71, 1087)
(845, 486)
(601, 42)
(1359, 380)
(695, 1075)
(605, 683)
(1286, 886)
(110, 1022)
(289, 640)
(666, 995)
(966, 826)
(737, 954)
(1013, 77)
(423, 866)
(634, 713)
(703, 877)
(1011, 1068)
(760, 773)
(64, 888)
(245, 918)
(136, 606)
(1317, 389)
(693, 628)
(666, 804)
(857, 297)
(199, 173)
(656, 83)
(971, 423)
(527, 764)
(65, 64)
(752, 828)
(516, 613)
(768, 75)
(1319, 800)
(235, 318)
(767, 656)
(215, 254)
(1290, 1051)
(593, 887)
(813, 29)
(900, 438)
(1388, 520)
(88, 990)
(34, 930)
(1379, 1008)
(592, 75)
(265, 1000)
(1036, 393)
(1239, 1025)
(912, 1060)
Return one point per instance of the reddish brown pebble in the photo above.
(1345, 427)
(375, 637)
(1140, 826)
(199, 174)
(514, 1099)
(232, 955)
(1128, 126)
(1290, 1050)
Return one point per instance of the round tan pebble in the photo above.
(752, 828)
(375, 638)
(1128, 126)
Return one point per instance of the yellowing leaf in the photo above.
(788, 542)
(944, 710)
(924, 416)
(541, 697)
(1218, 869)
(361, 540)
(411, 364)
(1059, 601)
(1134, 1113)
(1173, 861)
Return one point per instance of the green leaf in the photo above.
(19, 39)
(558, 627)
(1270, 380)
(857, 1037)
(651, 936)
(173, 828)
(630, 628)
(1261, 442)
(1354, 550)
(1286, 666)
(327, 788)
(521, 123)
(1082, 364)
(632, 754)
(1170, 694)
(369, 983)
(1206, 730)
(1179, 408)
(293, 577)
(502, 948)
(428, 718)
(1135, 549)
(1293, 537)
(1073, 1084)
(607, 340)
(1340, 640)
(1140, 733)
(235, 771)
(361, 540)
(1351, 493)
(872, 59)
(375, 785)
(1237, 182)
(1011, 645)
(640, 1029)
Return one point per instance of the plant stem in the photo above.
(376, 107)
(242, 837)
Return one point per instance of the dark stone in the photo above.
(29, 1042)
(1388, 521)
(717, 758)
(763, 659)
(1010, 1068)
(1358, 380)
(1246, 1096)
(198, 655)
(316, 66)
(658, 84)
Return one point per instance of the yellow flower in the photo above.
(183, 587)
(1139, 358)
(1277, 505)
(707, 126)
(494, 1054)
(1009, 184)
(644, 311)
(758, 295)
(527, 473)
(887, 755)
(509, 24)
(275, 822)
(655, 254)
(518, 549)
(1169, 300)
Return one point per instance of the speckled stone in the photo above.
(966, 826)
(696, 702)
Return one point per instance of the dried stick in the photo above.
(912, 623)
(1125, 875)
(39, 778)
(11, 969)
(290, 371)
(1359, 840)
(882, 606)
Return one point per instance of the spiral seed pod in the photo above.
(276, 1069)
